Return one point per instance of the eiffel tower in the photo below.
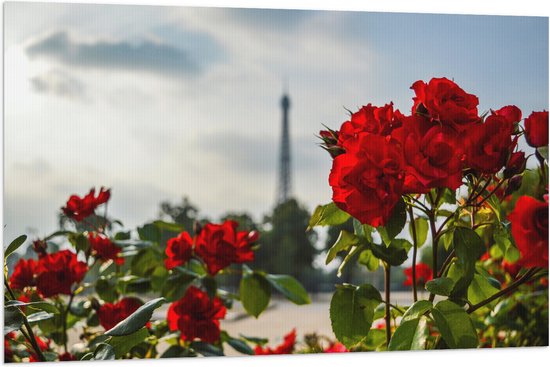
(284, 180)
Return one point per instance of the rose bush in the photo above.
(105, 284)
(455, 179)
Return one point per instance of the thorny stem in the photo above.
(387, 273)
(415, 248)
(525, 278)
(29, 335)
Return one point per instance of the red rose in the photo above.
(79, 208)
(220, 245)
(489, 145)
(56, 273)
(104, 249)
(287, 347)
(23, 274)
(369, 119)
(433, 155)
(536, 129)
(178, 250)
(515, 165)
(530, 231)
(336, 347)
(444, 101)
(111, 314)
(423, 274)
(510, 113)
(196, 316)
(367, 181)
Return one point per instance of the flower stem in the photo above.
(415, 249)
(387, 272)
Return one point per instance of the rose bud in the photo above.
(330, 142)
(40, 246)
(197, 228)
(513, 185)
(536, 129)
(516, 164)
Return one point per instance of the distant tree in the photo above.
(285, 246)
(184, 213)
(246, 223)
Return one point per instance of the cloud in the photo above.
(145, 55)
(58, 83)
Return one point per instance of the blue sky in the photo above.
(162, 102)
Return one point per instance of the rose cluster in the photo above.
(196, 315)
(218, 245)
(381, 154)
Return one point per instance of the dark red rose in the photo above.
(530, 231)
(536, 129)
(287, 347)
(67, 357)
(79, 208)
(423, 274)
(23, 274)
(510, 113)
(369, 119)
(433, 155)
(196, 316)
(444, 101)
(56, 273)
(104, 249)
(515, 165)
(44, 345)
(178, 250)
(489, 145)
(367, 181)
(221, 245)
(111, 314)
(336, 347)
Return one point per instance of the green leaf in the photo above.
(39, 305)
(421, 227)
(441, 286)
(395, 254)
(149, 232)
(480, 289)
(39, 316)
(13, 319)
(123, 344)
(468, 248)
(137, 320)
(176, 285)
(455, 325)
(362, 230)
(352, 311)
(410, 335)
(289, 287)
(106, 290)
(239, 345)
(543, 151)
(344, 242)
(348, 259)
(145, 262)
(171, 227)
(395, 223)
(14, 245)
(79, 241)
(104, 352)
(207, 350)
(367, 258)
(255, 293)
(328, 215)
(418, 309)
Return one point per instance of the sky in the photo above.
(158, 103)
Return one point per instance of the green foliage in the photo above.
(455, 325)
(421, 227)
(255, 293)
(14, 245)
(442, 286)
(469, 248)
(136, 320)
(123, 344)
(395, 224)
(344, 242)
(410, 335)
(328, 215)
(480, 289)
(352, 311)
(289, 287)
(417, 309)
